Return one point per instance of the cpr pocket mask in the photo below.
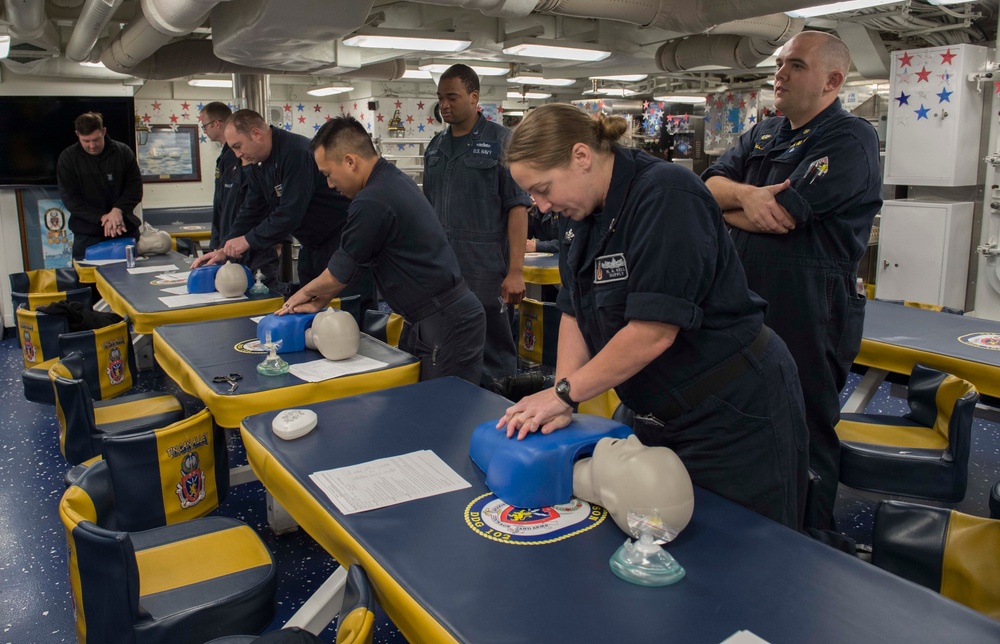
(537, 472)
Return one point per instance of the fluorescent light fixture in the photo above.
(622, 78)
(408, 39)
(417, 74)
(674, 98)
(513, 112)
(483, 69)
(4, 42)
(87, 63)
(838, 7)
(612, 91)
(210, 82)
(535, 48)
(532, 79)
(329, 90)
(941, 2)
(538, 95)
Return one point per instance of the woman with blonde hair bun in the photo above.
(655, 304)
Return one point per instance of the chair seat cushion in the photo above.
(889, 431)
(37, 386)
(212, 573)
(137, 412)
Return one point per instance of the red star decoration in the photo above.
(947, 56)
(923, 75)
(430, 120)
(327, 117)
(380, 117)
(409, 119)
(317, 108)
(742, 103)
(718, 105)
(500, 110)
(729, 97)
(287, 107)
(753, 94)
(355, 106)
(905, 60)
(399, 104)
(173, 118)
(996, 89)
(302, 119)
(645, 105)
(185, 106)
(156, 106)
(361, 117)
(146, 118)
(420, 105)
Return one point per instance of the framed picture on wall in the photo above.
(170, 153)
(46, 240)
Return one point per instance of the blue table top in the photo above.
(743, 571)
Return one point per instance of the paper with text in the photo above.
(323, 369)
(138, 270)
(194, 299)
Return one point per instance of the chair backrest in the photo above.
(38, 334)
(538, 331)
(103, 574)
(357, 617)
(383, 326)
(945, 403)
(108, 359)
(168, 475)
(45, 286)
(351, 304)
(945, 550)
(74, 409)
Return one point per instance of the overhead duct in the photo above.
(161, 21)
(725, 48)
(93, 20)
(286, 35)
(30, 28)
(388, 70)
(61, 68)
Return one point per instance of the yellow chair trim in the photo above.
(602, 405)
(217, 554)
(86, 273)
(948, 392)
(413, 621)
(901, 360)
(891, 435)
(393, 329)
(971, 565)
(355, 627)
(135, 409)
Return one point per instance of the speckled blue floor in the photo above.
(34, 595)
(34, 588)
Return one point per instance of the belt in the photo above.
(435, 304)
(720, 376)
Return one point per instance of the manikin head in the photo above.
(624, 475)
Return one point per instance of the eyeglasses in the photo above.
(204, 126)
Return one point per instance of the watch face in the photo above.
(562, 387)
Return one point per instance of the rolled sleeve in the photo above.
(342, 266)
(663, 308)
(795, 204)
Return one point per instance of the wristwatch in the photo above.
(562, 391)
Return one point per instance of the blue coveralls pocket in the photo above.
(849, 342)
(609, 300)
(484, 267)
(483, 183)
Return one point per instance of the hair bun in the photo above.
(611, 128)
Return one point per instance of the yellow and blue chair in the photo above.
(38, 335)
(186, 582)
(383, 326)
(83, 422)
(48, 285)
(923, 454)
(538, 332)
(952, 553)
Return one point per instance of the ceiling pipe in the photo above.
(93, 20)
(742, 44)
(28, 23)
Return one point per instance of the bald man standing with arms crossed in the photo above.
(800, 192)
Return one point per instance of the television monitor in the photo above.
(34, 130)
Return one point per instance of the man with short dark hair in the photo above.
(392, 227)
(100, 185)
(483, 211)
(230, 189)
(286, 196)
(800, 192)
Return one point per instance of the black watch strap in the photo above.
(564, 394)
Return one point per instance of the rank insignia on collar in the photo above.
(569, 235)
(818, 168)
(765, 137)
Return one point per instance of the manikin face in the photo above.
(569, 189)
(93, 143)
(626, 475)
(340, 175)
(253, 148)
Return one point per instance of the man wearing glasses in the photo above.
(229, 192)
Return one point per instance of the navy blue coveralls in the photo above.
(808, 276)
(230, 189)
(91, 185)
(725, 396)
(472, 193)
(392, 227)
(287, 195)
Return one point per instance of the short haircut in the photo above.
(343, 135)
(245, 120)
(833, 51)
(217, 111)
(88, 123)
(464, 73)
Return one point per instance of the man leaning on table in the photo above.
(286, 196)
(391, 226)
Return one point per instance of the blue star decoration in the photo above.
(300, 107)
(903, 99)
(200, 106)
(944, 95)
(316, 128)
(922, 112)
(203, 138)
(420, 127)
(752, 118)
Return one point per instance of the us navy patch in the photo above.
(610, 268)
(983, 340)
(490, 517)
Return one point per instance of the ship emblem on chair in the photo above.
(191, 488)
(29, 348)
(116, 366)
(529, 335)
